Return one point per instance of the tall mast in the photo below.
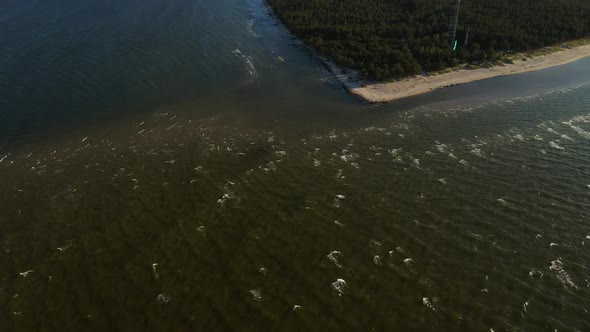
(466, 38)
(454, 23)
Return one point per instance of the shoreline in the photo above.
(375, 93)
(384, 92)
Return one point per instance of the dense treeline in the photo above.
(393, 38)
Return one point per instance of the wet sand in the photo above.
(416, 85)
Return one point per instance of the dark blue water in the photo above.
(72, 61)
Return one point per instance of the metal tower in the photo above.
(454, 23)
(466, 38)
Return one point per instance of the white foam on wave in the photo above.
(395, 152)
(556, 146)
(250, 66)
(581, 118)
(250, 28)
(581, 131)
(6, 156)
(401, 125)
(201, 229)
(576, 120)
(339, 286)
(333, 257)
(566, 137)
(377, 260)
(268, 167)
(525, 306)
(502, 201)
(374, 244)
(256, 294)
(430, 304)
(478, 153)
(316, 163)
(338, 199)
(562, 275)
(26, 273)
(442, 148)
(163, 298)
(348, 157)
(227, 196)
(332, 135)
(155, 271)
(373, 128)
(538, 138)
(247, 61)
(416, 163)
(340, 175)
(553, 131)
(536, 274)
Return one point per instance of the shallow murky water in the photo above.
(239, 188)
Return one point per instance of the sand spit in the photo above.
(416, 85)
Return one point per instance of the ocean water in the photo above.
(188, 166)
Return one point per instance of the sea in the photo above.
(189, 165)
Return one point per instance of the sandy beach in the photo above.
(416, 85)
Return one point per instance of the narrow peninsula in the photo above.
(382, 50)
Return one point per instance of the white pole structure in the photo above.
(454, 24)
